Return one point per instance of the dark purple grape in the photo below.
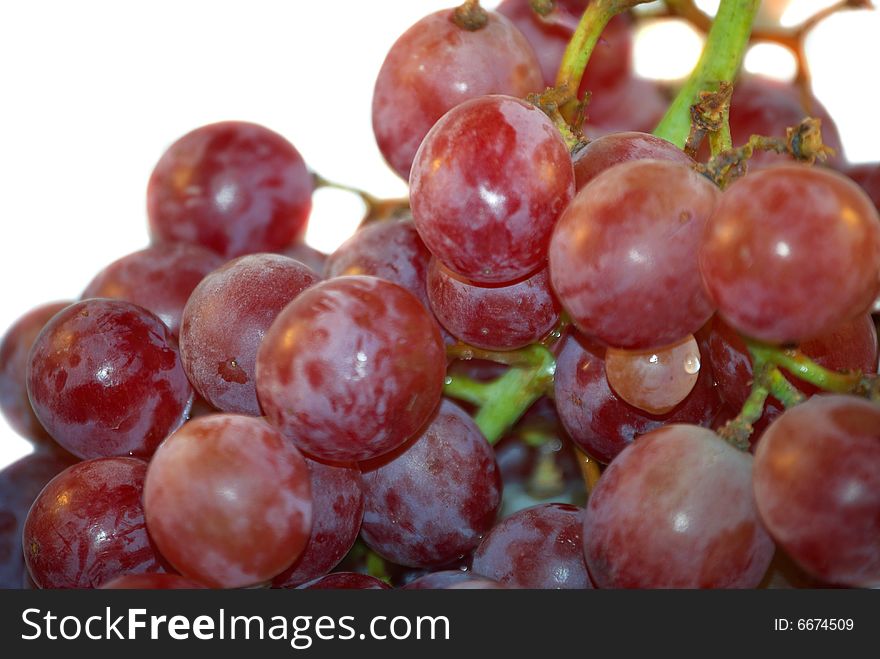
(345, 581)
(224, 323)
(351, 369)
(15, 350)
(539, 547)
(233, 187)
(389, 250)
(487, 186)
(105, 379)
(436, 65)
(87, 526)
(430, 502)
(337, 512)
(441, 580)
(160, 279)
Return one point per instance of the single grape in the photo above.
(105, 379)
(430, 502)
(503, 317)
(15, 348)
(351, 368)
(389, 250)
(159, 279)
(817, 486)
(539, 547)
(601, 422)
(337, 512)
(87, 526)
(623, 258)
(233, 187)
(867, 176)
(487, 186)
(441, 580)
(228, 501)
(152, 582)
(436, 65)
(675, 510)
(224, 323)
(616, 148)
(20, 483)
(633, 104)
(654, 381)
(791, 252)
(345, 581)
(549, 35)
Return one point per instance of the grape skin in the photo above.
(105, 379)
(345, 581)
(224, 323)
(430, 502)
(436, 65)
(623, 257)
(504, 317)
(487, 186)
(351, 368)
(791, 252)
(817, 487)
(539, 547)
(159, 278)
(15, 350)
(152, 582)
(228, 501)
(675, 510)
(87, 526)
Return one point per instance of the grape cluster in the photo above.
(569, 363)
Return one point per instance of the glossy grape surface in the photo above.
(436, 65)
(791, 252)
(351, 368)
(87, 526)
(602, 423)
(228, 501)
(675, 510)
(623, 258)
(502, 317)
(817, 485)
(224, 323)
(15, 350)
(432, 501)
(105, 379)
(233, 187)
(337, 512)
(539, 547)
(487, 186)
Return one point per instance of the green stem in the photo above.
(502, 402)
(804, 368)
(719, 62)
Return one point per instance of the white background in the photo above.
(92, 92)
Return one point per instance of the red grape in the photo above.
(228, 501)
(675, 510)
(633, 104)
(503, 317)
(224, 323)
(487, 186)
(817, 485)
(539, 547)
(598, 420)
(430, 502)
(389, 250)
(351, 368)
(151, 582)
(307, 256)
(15, 349)
(436, 65)
(234, 187)
(87, 526)
(623, 258)
(20, 483)
(105, 379)
(868, 177)
(159, 278)
(345, 581)
(337, 512)
(616, 148)
(791, 252)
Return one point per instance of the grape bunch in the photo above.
(580, 354)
